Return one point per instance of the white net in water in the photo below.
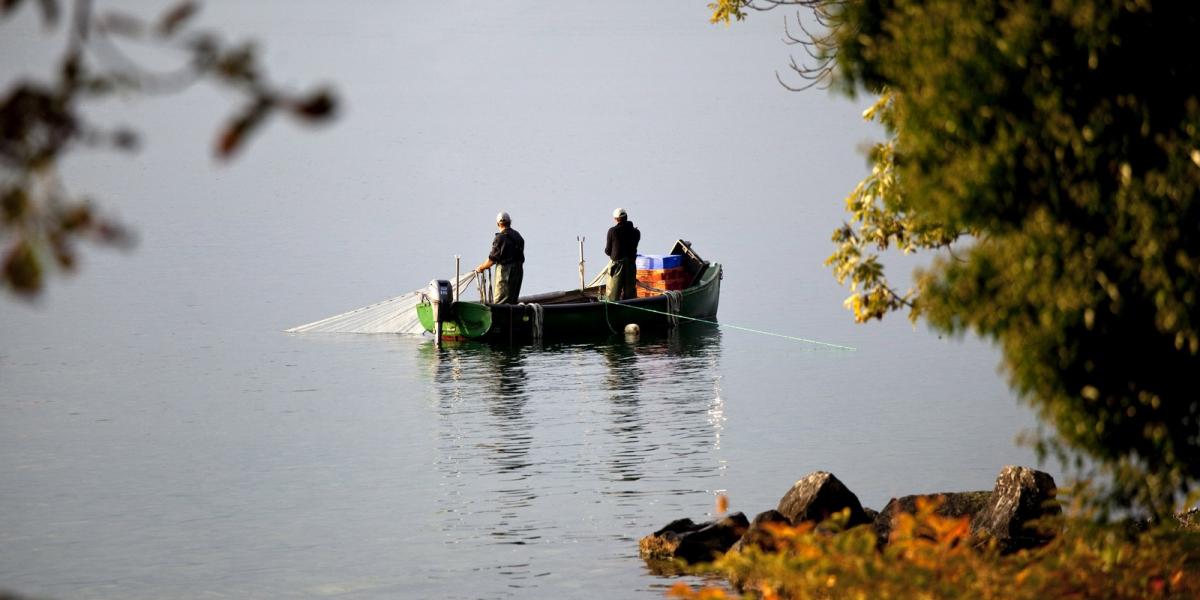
(394, 315)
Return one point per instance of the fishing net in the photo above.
(399, 314)
(394, 315)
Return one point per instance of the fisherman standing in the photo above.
(508, 256)
(622, 248)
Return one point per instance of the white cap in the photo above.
(620, 212)
(502, 217)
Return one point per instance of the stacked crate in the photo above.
(660, 271)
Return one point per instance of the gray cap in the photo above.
(502, 217)
(620, 212)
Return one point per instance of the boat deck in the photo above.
(693, 265)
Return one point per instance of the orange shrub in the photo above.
(934, 557)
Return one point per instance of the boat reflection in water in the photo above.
(551, 449)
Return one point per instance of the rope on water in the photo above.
(606, 321)
(747, 329)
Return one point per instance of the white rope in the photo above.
(716, 324)
(394, 315)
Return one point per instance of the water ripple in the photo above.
(599, 429)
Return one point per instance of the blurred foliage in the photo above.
(932, 557)
(1051, 152)
(41, 220)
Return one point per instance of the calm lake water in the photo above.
(380, 466)
(160, 437)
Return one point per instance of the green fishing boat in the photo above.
(576, 313)
(470, 320)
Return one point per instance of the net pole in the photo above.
(581, 275)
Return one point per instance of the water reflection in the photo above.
(547, 447)
(509, 394)
(665, 427)
(624, 380)
(482, 393)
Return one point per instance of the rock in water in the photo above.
(818, 496)
(714, 539)
(759, 534)
(1021, 496)
(952, 504)
(662, 543)
(693, 543)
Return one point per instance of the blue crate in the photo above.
(659, 261)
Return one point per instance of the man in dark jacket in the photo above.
(508, 256)
(622, 248)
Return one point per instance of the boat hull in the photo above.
(468, 320)
(583, 313)
(516, 322)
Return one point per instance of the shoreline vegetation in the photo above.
(1018, 540)
(1044, 157)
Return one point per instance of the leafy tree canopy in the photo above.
(1054, 148)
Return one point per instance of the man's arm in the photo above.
(608, 245)
(499, 248)
(493, 256)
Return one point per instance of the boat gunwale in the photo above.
(705, 281)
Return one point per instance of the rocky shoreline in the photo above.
(1002, 516)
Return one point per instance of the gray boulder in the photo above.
(952, 504)
(871, 513)
(758, 534)
(691, 542)
(662, 543)
(1021, 495)
(818, 496)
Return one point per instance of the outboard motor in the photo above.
(441, 296)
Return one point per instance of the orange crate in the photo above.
(658, 277)
(661, 274)
(660, 286)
